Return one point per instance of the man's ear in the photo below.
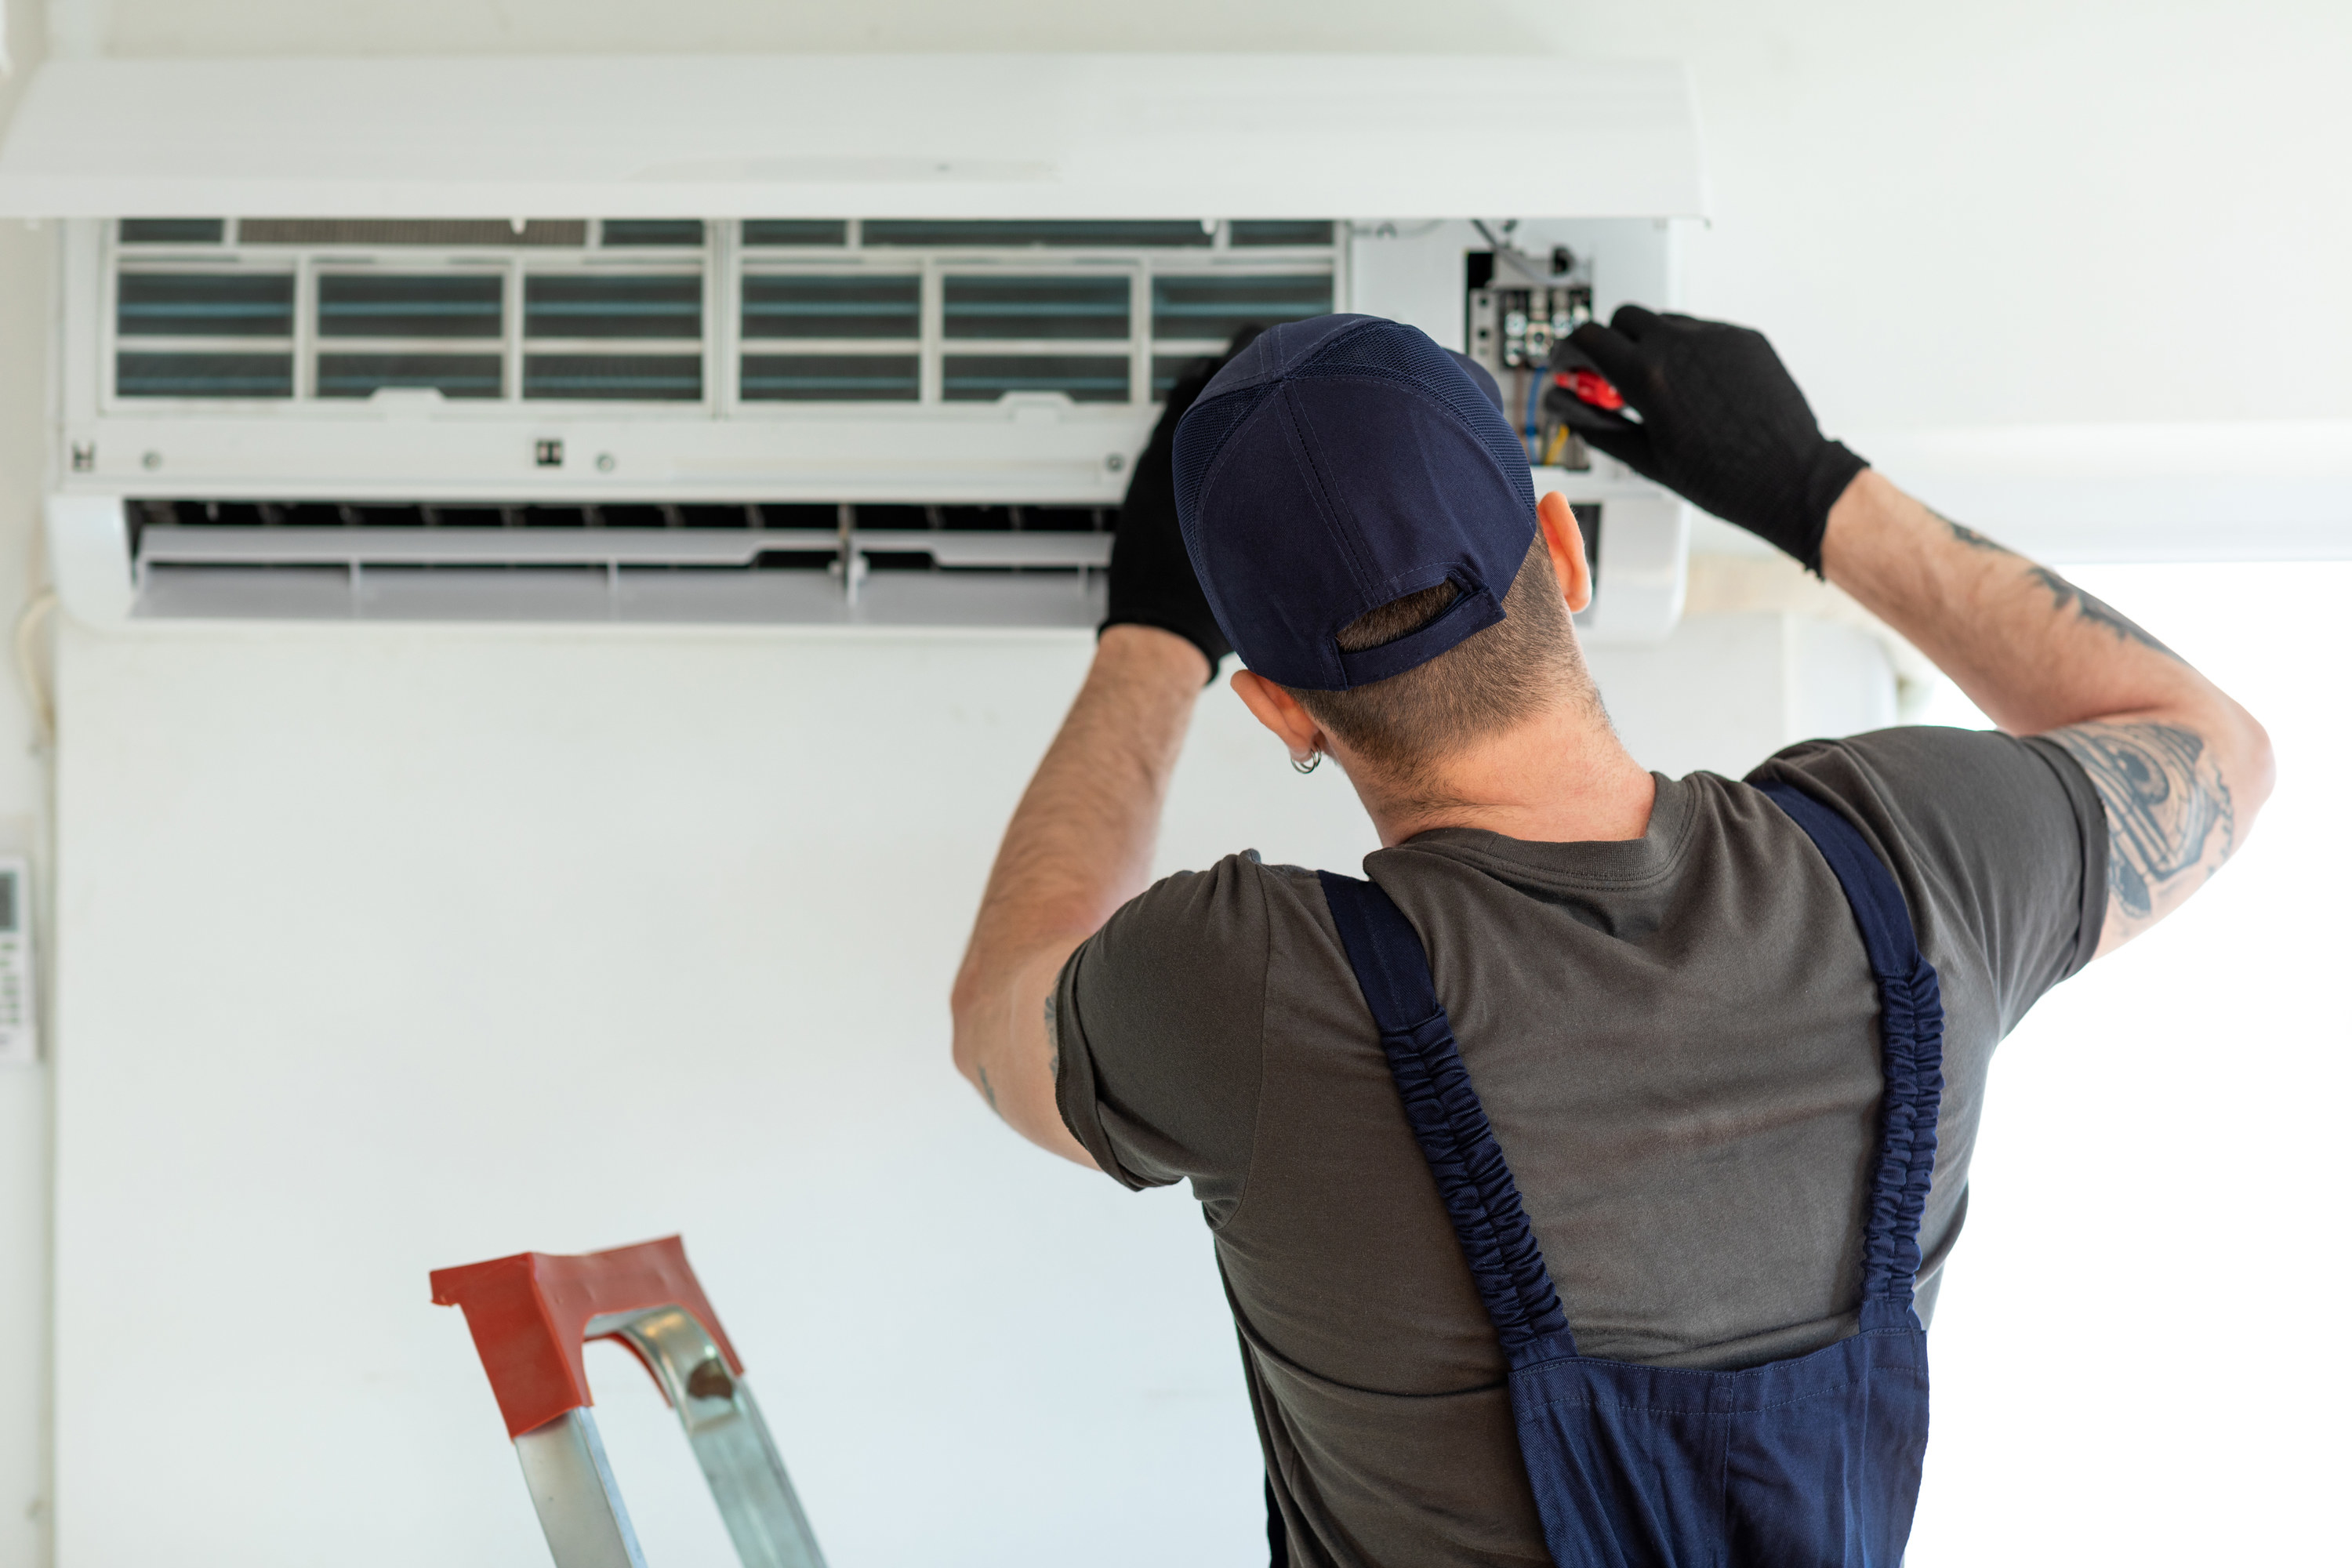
(1279, 712)
(1566, 543)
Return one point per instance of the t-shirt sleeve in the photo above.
(1158, 1023)
(2005, 835)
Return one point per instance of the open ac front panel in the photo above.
(900, 422)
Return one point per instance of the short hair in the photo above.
(1496, 677)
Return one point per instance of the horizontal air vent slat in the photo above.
(655, 378)
(366, 546)
(1068, 306)
(855, 305)
(452, 375)
(866, 516)
(1216, 307)
(832, 378)
(676, 594)
(408, 305)
(597, 305)
(1281, 231)
(204, 376)
(675, 231)
(458, 232)
(984, 378)
(170, 231)
(953, 233)
(795, 231)
(205, 305)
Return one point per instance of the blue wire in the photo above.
(1534, 390)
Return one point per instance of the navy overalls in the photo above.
(1808, 1463)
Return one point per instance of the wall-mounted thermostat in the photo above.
(19, 1036)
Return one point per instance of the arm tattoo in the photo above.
(1053, 1037)
(1970, 536)
(2096, 611)
(2063, 594)
(2170, 820)
(989, 1089)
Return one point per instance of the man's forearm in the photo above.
(1078, 847)
(2181, 767)
(2028, 647)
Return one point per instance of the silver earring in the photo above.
(1314, 759)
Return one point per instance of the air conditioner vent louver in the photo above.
(795, 231)
(604, 305)
(451, 375)
(832, 378)
(172, 230)
(220, 375)
(411, 305)
(205, 305)
(464, 232)
(947, 233)
(152, 512)
(1045, 307)
(628, 378)
(1281, 231)
(1081, 378)
(856, 305)
(1212, 309)
(666, 231)
(782, 561)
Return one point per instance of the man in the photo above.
(1657, 988)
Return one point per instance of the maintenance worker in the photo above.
(1617, 1247)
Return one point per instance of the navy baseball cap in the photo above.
(1334, 466)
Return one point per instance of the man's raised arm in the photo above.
(1079, 843)
(2181, 767)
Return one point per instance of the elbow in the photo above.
(2253, 771)
(963, 1033)
(979, 1008)
(2261, 767)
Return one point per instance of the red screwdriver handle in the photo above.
(1591, 386)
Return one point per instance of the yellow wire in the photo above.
(1558, 445)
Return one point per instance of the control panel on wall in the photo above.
(18, 1035)
(1518, 302)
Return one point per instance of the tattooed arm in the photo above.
(2181, 768)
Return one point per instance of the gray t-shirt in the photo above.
(1676, 1040)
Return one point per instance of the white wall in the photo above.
(2018, 216)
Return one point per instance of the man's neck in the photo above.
(1559, 777)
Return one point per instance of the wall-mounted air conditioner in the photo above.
(821, 340)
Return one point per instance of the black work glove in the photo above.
(1723, 426)
(1151, 578)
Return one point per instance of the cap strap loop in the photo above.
(1469, 613)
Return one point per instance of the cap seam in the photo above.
(1344, 525)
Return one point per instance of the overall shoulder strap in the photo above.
(1911, 1030)
(1481, 1198)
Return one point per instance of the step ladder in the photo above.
(532, 1313)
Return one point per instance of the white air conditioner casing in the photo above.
(1403, 158)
